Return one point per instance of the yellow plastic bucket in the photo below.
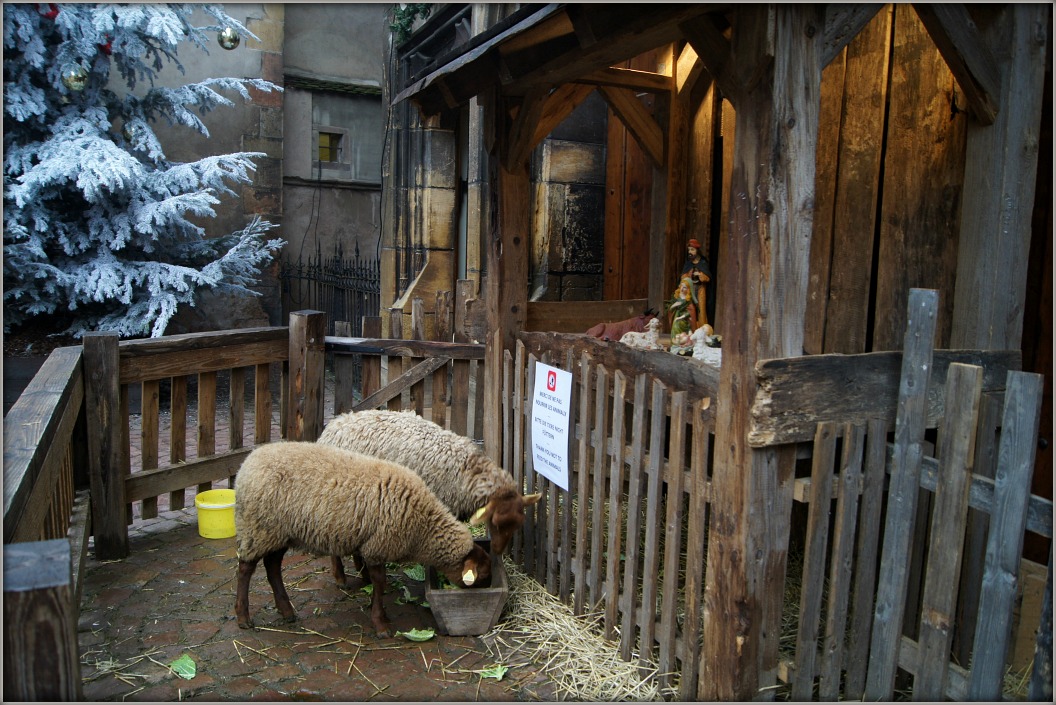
(216, 513)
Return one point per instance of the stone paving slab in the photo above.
(175, 594)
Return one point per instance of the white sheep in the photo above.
(646, 340)
(330, 501)
(703, 338)
(467, 481)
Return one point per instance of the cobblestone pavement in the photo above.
(174, 595)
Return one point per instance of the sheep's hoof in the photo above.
(245, 624)
(384, 633)
(290, 619)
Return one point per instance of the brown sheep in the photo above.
(335, 502)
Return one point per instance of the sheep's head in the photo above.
(504, 514)
(653, 325)
(475, 570)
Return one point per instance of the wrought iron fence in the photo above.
(345, 288)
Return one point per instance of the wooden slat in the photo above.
(206, 419)
(394, 365)
(477, 371)
(1019, 429)
(860, 125)
(344, 367)
(262, 404)
(178, 433)
(902, 496)
(920, 211)
(507, 458)
(653, 521)
(461, 397)
(794, 393)
(695, 550)
(615, 523)
(866, 552)
(236, 413)
(668, 632)
(946, 540)
(79, 532)
(397, 346)
(633, 539)
(391, 393)
(201, 471)
(150, 401)
(826, 172)
(1041, 675)
(150, 362)
(575, 471)
(837, 605)
(520, 458)
(441, 400)
(813, 582)
(573, 317)
(417, 389)
(588, 437)
(599, 482)
(978, 526)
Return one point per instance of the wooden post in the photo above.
(507, 280)
(344, 365)
(307, 358)
(107, 461)
(41, 656)
(775, 52)
(371, 363)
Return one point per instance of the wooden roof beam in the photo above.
(713, 50)
(522, 130)
(628, 78)
(639, 122)
(968, 56)
(559, 105)
(843, 22)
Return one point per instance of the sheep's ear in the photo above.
(480, 515)
(530, 499)
(469, 577)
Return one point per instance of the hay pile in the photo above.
(582, 665)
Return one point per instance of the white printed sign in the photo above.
(550, 421)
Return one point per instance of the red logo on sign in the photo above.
(551, 380)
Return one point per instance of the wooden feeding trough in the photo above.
(468, 611)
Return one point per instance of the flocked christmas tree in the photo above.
(99, 225)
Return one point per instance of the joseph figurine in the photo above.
(699, 273)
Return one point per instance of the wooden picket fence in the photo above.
(873, 607)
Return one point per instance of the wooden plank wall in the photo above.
(888, 98)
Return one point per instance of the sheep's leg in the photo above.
(245, 572)
(377, 610)
(338, 569)
(273, 565)
(361, 567)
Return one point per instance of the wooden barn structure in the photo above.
(836, 157)
(839, 509)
